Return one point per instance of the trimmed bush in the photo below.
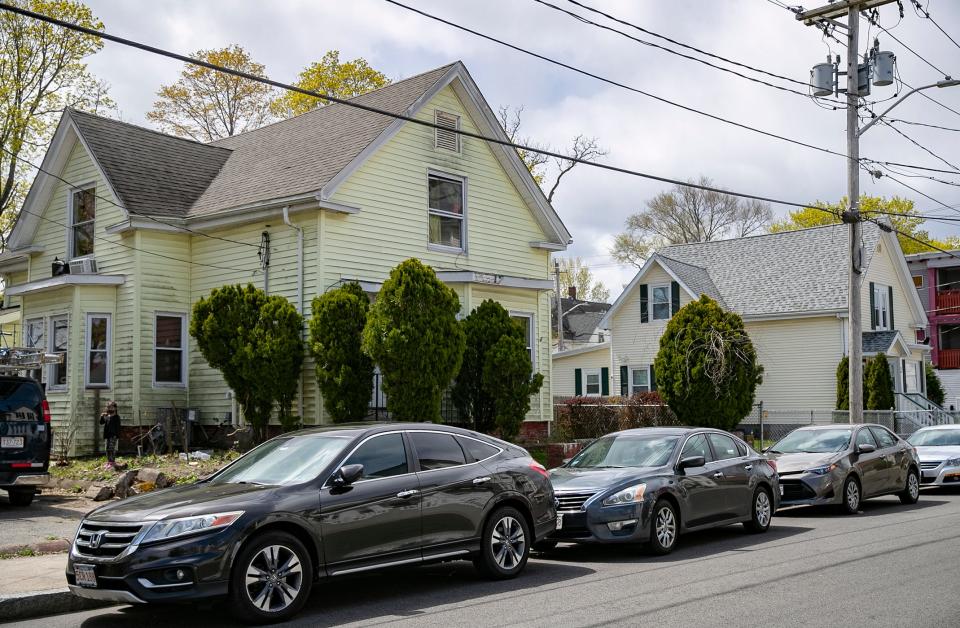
(878, 384)
(935, 391)
(509, 381)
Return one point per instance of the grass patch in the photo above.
(92, 469)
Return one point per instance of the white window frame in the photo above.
(586, 386)
(531, 340)
(52, 386)
(184, 351)
(881, 305)
(92, 186)
(88, 350)
(633, 384)
(462, 180)
(653, 302)
(921, 284)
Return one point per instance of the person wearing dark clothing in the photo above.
(110, 421)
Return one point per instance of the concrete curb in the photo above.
(40, 603)
(42, 547)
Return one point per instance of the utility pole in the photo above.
(556, 272)
(829, 13)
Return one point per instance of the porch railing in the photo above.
(948, 358)
(948, 302)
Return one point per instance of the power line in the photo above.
(919, 145)
(899, 165)
(932, 99)
(932, 126)
(926, 14)
(383, 112)
(127, 209)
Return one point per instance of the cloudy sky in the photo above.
(639, 132)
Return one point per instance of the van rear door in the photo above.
(24, 426)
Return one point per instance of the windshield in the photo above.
(284, 461)
(935, 438)
(813, 442)
(622, 450)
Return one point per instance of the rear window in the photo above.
(478, 450)
(20, 400)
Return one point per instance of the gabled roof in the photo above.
(152, 173)
(794, 273)
(580, 318)
(883, 341)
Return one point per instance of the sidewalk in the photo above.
(35, 586)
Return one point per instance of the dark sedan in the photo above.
(650, 485)
(845, 464)
(315, 503)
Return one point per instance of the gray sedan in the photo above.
(834, 464)
(939, 451)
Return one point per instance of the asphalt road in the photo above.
(892, 565)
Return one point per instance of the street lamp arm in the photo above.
(948, 82)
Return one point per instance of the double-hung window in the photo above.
(169, 349)
(83, 209)
(33, 338)
(59, 342)
(526, 323)
(661, 303)
(591, 382)
(881, 306)
(639, 380)
(97, 366)
(446, 201)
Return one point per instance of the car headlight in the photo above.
(953, 462)
(823, 470)
(170, 528)
(627, 495)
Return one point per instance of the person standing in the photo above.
(110, 421)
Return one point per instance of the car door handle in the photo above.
(748, 467)
(718, 474)
(405, 494)
(482, 480)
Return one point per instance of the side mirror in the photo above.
(865, 449)
(348, 474)
(692, 461)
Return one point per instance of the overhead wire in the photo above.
(919, 145)
(925, 13)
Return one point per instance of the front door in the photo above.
(700, 486)
(376, 520)
(454, 494)
(871, 465)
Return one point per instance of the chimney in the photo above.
(572, 292)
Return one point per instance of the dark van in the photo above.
(24, 438)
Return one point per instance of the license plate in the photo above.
(11, 442)
(559, 521)
(781, 490)
(86, 576)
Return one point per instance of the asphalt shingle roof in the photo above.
(778, 273)
(878, 341)
(152, 173)
(580, 323)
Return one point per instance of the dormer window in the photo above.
(83, 209)
(443, 138)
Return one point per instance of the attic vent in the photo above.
(447, 140)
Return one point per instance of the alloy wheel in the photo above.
(913, 486)
(666, 527)
(274, 578)
(508, 543)
(853, 496)
(763, 509)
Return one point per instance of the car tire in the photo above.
(264, 599)
(21, 498)
(545, 546)
(911, 492)
(504, 544)
(852, 496)
(761, 511)
(664, 528)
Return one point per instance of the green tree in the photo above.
(328, 76)
(344, 372)
(899, 211)
(254, 340)
(42, 70)
(843, 384)
(707, 369)
(509, 381)
(482, 328)
(413, 334)
(206, 105)
(935, 391)
(877, 384)
(575, 273)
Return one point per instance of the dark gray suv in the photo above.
(315, 503)
(24, 438)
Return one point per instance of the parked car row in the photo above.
(333, 501)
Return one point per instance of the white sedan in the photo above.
(939, 450)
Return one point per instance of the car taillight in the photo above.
(46, 411)
(539, 468)
(772, 464)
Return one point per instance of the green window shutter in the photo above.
(644, 317)
(873, 308)
(674, 297)
(624, 374)
(605, 382)
(653, 379)
(578, 382)
(890, 305)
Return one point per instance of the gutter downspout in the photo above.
(299, 230)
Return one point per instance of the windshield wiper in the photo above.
(774, 451)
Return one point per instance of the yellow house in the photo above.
(147, 224)
(790, 289)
